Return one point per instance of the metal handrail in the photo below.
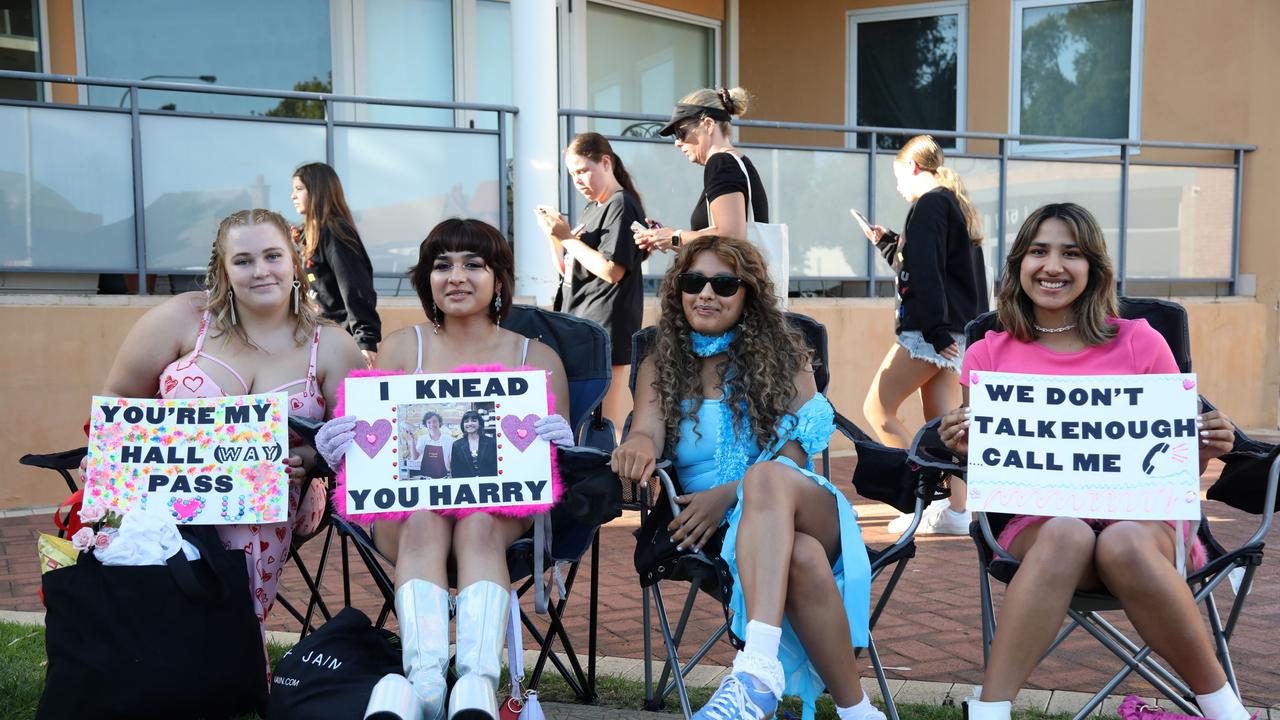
(1124, 148)
(133, 87)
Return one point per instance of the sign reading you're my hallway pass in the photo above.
(199, 461)
(1098, 446)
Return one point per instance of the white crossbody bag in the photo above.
(769, 238)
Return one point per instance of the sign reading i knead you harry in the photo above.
(1119, 447)
(198, 461)
(447, 441)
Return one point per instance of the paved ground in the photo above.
(929, 632)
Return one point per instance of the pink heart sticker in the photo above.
(520, 430)
(1188, 384)
(371, 437)
(973, 378)
(185, 510)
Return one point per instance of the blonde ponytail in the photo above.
(950, 180)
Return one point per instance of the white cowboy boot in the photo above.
(423, 611)
(482, 624)
(975, 709)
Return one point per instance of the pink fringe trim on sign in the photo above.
(340, 497)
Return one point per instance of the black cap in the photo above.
(693, 112)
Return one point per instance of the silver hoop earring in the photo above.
(297, 294)
(231, 302)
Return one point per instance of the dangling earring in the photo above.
(432, 312)
(296, 294)
(497, 309)
(231, 302)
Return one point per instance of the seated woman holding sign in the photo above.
(251, 332)
(728, 392)
(465, 278)
(1057, 303)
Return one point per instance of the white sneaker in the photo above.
(899, 525)
(939, 519)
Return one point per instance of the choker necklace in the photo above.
(708, 345)
(1050, 331)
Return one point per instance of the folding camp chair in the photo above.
(583, 347)
(882, 474)
(1252, 474)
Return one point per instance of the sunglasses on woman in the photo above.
(682, 131)
(722, 285)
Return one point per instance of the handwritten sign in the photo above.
(1096, 446)
(201, 461)
(448, 440)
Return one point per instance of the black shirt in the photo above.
(616, 306)
(341, 277)
(722, 176)
(941, 282)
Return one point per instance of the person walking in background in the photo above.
(600, 263)
(941, 286)
(337, 265)
(700, 125)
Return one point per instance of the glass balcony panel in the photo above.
(199, 170)
(1180, 222)
(66, 190)
(400, 183)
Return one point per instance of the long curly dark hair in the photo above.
(765, 356)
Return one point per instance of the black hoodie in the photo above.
(341, 277)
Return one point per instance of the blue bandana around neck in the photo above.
(708, 345)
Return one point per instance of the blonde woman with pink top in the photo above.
(1058, 307)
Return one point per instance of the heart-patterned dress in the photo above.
(265, 546)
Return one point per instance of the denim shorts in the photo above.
(920, 349)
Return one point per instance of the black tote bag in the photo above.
(162, 641)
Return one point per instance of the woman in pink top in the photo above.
(251, 332)
(1057, 303)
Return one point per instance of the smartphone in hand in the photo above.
(863, 223)
(637, 226)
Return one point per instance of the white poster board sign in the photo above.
(1119, 447)
(447, 441)
(196, 461)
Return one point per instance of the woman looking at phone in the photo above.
(941, 285)
(599, 260)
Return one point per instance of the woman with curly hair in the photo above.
(728, 392)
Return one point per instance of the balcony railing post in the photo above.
(1124, 218)
(1237, 200)
(871, 213)
(1002, 208)
(139, 204)
(569, 210)
(502, 175)
(328, 132)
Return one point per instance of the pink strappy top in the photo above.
(185, 379)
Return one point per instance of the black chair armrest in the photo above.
(306, 428)
(65, 460)
(928, 450)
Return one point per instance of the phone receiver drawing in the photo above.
(1148, 466)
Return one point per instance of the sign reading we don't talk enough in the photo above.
(200, 461)
(1097, 446)
(447, 441)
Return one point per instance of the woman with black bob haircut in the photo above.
(336, 262)
(465, 278)
(728, 393)
(475, 454)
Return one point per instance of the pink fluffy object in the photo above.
(340, 497)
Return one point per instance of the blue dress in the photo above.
(699, 458)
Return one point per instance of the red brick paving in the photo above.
(929, 631)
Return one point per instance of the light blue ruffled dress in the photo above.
(699, 461)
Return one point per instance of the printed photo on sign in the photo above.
(441, 440)
(197, 461)
(447, 441)
(1117, 447)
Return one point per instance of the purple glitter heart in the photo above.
(371, 438)
(520, 431)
